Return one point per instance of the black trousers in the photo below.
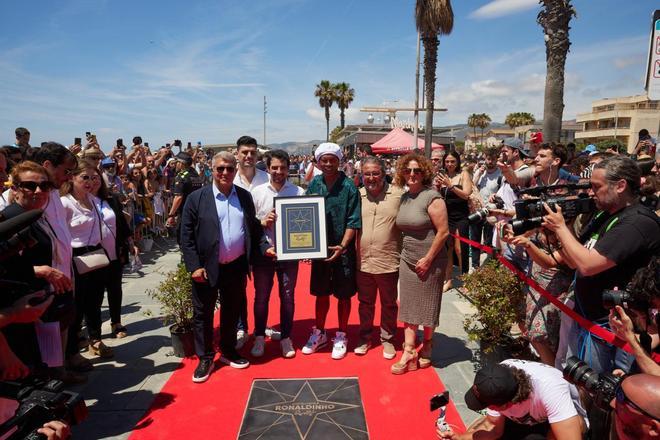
(115, 292)
(231, 286)
(89, 289)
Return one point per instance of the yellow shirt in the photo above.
(379, 238)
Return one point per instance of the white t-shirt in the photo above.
(552, 399)
(260, 177)
(316, 171)
(263, 196)
(84, 224)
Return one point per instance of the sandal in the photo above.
(119, 331)
(409, 365)
(425, 354)
(98, 348)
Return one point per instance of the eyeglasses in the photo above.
(32, 186)
(415, 171)
(222, 169)
(375, 174)
(622, 398)
(435, 159)
(86, 177)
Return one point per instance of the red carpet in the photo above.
(395, 406)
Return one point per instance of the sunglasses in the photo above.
(86, 177)
(415, 171)
(32, 186)
(222, 169)
(622, 398)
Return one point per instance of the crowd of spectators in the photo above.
(394, 229)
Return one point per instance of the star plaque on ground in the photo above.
(300, 228)
(304, 409)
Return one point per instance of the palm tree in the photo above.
(326, 94)
(344, 95)
(518, 119)
(433, 18)
(483, 121)
(473, 122)
(554, 18)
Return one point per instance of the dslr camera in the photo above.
(480, 215)
(600, 387)
(625, 299)
(530, 212)
(40, 402)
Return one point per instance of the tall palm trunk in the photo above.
(430, 60)
(327, 124)
(555, 18)
(341, 118)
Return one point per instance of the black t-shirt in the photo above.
(186, 182)
(629, 238)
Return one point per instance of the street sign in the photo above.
(653, 66)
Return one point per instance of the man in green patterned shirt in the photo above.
(336, 274)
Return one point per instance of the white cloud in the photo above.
(500, 8)
(623, 62)
(491, 87)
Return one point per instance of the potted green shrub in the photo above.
(174, 294)
(499, 300)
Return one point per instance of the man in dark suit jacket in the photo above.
(219, 235)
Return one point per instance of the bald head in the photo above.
(644, 390)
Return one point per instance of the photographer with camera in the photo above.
(631, 322)
(523, 400)
(620, 239)
(487, 179)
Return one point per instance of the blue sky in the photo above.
(198, 70)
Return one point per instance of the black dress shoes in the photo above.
(203, 370)
(234, 360)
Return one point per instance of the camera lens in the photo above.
(581, 374)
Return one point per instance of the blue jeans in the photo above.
(287, 274)
(598, 354)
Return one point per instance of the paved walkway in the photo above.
(121, 390)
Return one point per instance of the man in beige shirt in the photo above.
(378, 256)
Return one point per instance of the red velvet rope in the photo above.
(592, 328)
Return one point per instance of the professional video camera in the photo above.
(40, 401)
(600, 387)
(530, 212)
(481, 214)
(15, 234)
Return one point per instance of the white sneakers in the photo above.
(287, 348)
(241, 339)
(339, 345)
(319, 339)
(258, 347)
(273, 334)
(316, 340)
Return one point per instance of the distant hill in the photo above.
(294, 147)
(459, 131)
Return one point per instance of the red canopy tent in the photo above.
(399, 141)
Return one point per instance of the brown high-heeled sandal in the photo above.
(410, 365)
(425, 354)
(98, 348)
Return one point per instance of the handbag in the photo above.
(92, 260)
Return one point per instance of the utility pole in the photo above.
(264, 121)
(416, 128)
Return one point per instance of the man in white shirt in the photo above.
(263, 269)
(523, 398)
(248, 177)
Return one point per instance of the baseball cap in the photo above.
(107, 162)
(494, 384)
(328, 148)
(591, 149)
(516, 144)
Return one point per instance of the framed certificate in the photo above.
(300, 228)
